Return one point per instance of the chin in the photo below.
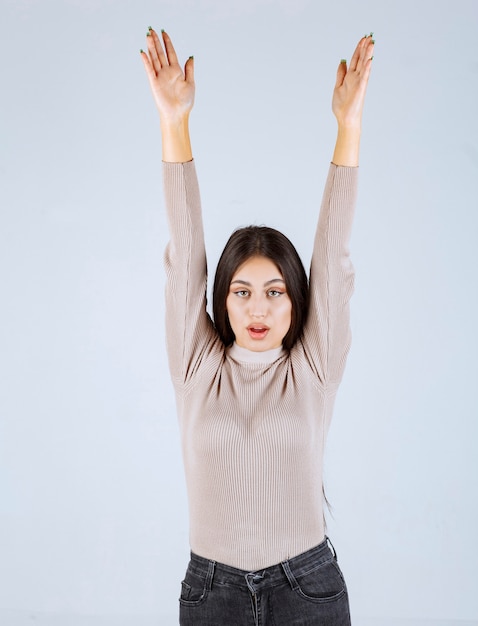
(254, 346)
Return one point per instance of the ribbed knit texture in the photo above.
(253, 425)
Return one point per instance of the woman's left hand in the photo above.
(351, 85)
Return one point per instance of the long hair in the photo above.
(246, 243)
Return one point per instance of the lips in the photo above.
(257, 331)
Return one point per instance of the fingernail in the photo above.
(343, 60)
(162, 30)
(192, 56)
(373, 41)
(150, 28)
(141, 51)
(148, 34)
(371, 58)
(371, 34)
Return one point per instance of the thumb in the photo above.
(189, 70)
(341, 72)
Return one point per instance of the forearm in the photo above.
(187, 324)
(347, 146)
(326, 333)
(176, 143)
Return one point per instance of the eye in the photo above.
(242, 293)
(274, 293)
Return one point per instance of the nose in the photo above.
(258, 307)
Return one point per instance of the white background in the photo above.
(93, 514)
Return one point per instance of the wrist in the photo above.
(174, 124)
(351, 128)
(347, 146)
(176, 143)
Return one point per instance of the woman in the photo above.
(255, 389)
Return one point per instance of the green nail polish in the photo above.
(148, 34)
(192, 56)
(343, 60)
(371, 58)
(150, 28)
(371, 34)
(162, 30)
(141, 51)
(373, 40)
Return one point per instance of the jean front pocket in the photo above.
(193, 589)
(324, 583)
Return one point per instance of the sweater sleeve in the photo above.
(327, 333)
(189, 329)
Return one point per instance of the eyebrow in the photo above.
(269, 282)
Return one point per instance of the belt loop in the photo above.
(210, 574)
(331, 546)
(290, 576)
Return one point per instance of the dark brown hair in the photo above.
(253, 241)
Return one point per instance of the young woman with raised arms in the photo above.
(255, 388)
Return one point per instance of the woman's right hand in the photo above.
(351, 85)
(173, 90)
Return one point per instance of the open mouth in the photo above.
(258, 332)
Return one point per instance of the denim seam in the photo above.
(333, 598)
(316, 567)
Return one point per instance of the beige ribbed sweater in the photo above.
(253, 424)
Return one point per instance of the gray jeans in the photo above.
(307, 590)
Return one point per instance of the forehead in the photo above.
(257, 268)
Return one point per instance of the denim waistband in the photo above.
(289, 570)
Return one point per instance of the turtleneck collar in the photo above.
(248, 356)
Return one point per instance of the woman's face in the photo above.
(258, 305)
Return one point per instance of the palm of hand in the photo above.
(173, 90)
(348, 99)
(172, 94)
(351, 85)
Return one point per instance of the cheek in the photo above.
(231, 311)
(287, 319)
(287, 312)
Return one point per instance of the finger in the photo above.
(365, 72)
(155, 63)
(341, 72)
(155, 49)
(150, 72)
(363, 77)
(189, 71)
(146, 62)
(356, 55)
(366, 52)
(170, 51)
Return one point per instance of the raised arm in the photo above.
(173, 92)
(327, 332)
(189, 330)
